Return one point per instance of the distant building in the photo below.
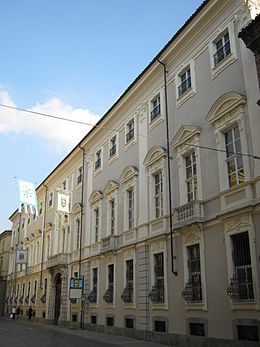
(5, 242)
(140, 277)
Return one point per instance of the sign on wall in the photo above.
(76, 285)
(63, 204)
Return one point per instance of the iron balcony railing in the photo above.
(43, 298)
(33, 299)
(27, 299)
(155, 112)
(92, 297)
(185, 85)
(21, 299)
(222, 52)
(241, 287)
(156, 295)
(109, 294)
(127, 295)
(192, 292)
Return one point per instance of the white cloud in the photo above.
(59, 135)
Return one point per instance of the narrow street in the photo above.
(23, 333)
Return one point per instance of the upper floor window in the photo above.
(130, 130)
(77, 233)
(130, 194)
(98, 160)
(234, 158)
(156, 108)
(109, 294)
(40, 211)
(50, 199)
(158, 194)
(222, 47)
(127, 295)
(64, 185)
(191, 176)
(80, 175)
(185, 79)
(96, 226)
(23, 223)
(157, 293)
(112, 216)
(112, 146)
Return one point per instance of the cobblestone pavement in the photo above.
(23, 333)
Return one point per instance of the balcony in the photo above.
(188, 214)
(109, 294)
(92, 298)
(127, 295)
(56, 260)
(241, 288)
(156, 295)
(109, 243)
(192, 293)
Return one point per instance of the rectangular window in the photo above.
(112, 149)
(40, 208)
(185, 79)
(159, 277)
(96, 229)
(222, 47)
(80, 175)
(191, 177)
(93, 319)
(160, 325)
(48, 246)
(241, 285)
(247, 332)
(23, 223)
(130, 131)
(50, 199)
(95, 280)
(156, 108)
(111, 281)
(64, 185)
(110, 321)
(234, 158)
(98, 160)
(197, 329)
(158, 196)
(130, 278)
(130, 194)
(112, 216)
(129, 323)
(193, 287)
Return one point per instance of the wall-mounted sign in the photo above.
(63, 202)
(21, 257)
(76, 285)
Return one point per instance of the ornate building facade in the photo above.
(165, 191)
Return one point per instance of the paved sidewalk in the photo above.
(102, 338)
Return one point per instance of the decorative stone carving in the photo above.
(238, 223)
(158, 246)
(130, 253)
(192, 237)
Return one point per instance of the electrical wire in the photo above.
(253, 156)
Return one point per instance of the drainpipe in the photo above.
(43, 231)
(81, 225)
(169, 167)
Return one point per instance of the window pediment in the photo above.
(128, 173)
(95, 196)
(110, 187)
(76, 208)
(155, 154)
(224, 107)
(184, 135)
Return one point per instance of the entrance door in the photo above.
(57, 297)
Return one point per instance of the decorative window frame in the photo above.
(79, 178)
(185, 142)
(231, 58)
(155, 247)
(133, 140)
(115, 155)
(226, 113)
(128, 179)
(192, 236)
(96, 201)
(95, 265)
(111, 191)
(100, 168)
(51, 194)
(160, 118)
(180, 100)
(130, 255)
(236, 225)
(111, 260)
(155, 161)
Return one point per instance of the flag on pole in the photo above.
(21, 257)
(63, 202)
(27, 196)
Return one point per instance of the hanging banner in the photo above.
(21, 257)
(63, 204)
(27, 196)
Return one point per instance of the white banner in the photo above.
(63, 203)
(27, 196)
(21, 257)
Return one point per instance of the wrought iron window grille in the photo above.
(192, 292)
(43, 298)
(156, 295)
(27, 299)
(127, 295)
(92, 297)
(240, 288)
(109, 295)
(16, 299)
(21, 299)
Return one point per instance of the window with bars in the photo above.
(127, 295)
(192, 292)
(241, 288)
(191, 177)
(93, 294)
(112, 150)
(112, 216)
(130, 130)
(130, 194)
(157, 293)
(233, 157)
(156, 108)
(185, 79)
(109, 294)
(222, 47)
(96, 226)
(158, 194)
(197, 329)
(247, 332)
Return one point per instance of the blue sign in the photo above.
(76, 283)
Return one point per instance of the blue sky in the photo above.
(70, 58)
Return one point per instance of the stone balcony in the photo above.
(109, 243)
(56, 260)
(188, 214)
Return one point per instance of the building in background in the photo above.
(5, 243)
(140, 277)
